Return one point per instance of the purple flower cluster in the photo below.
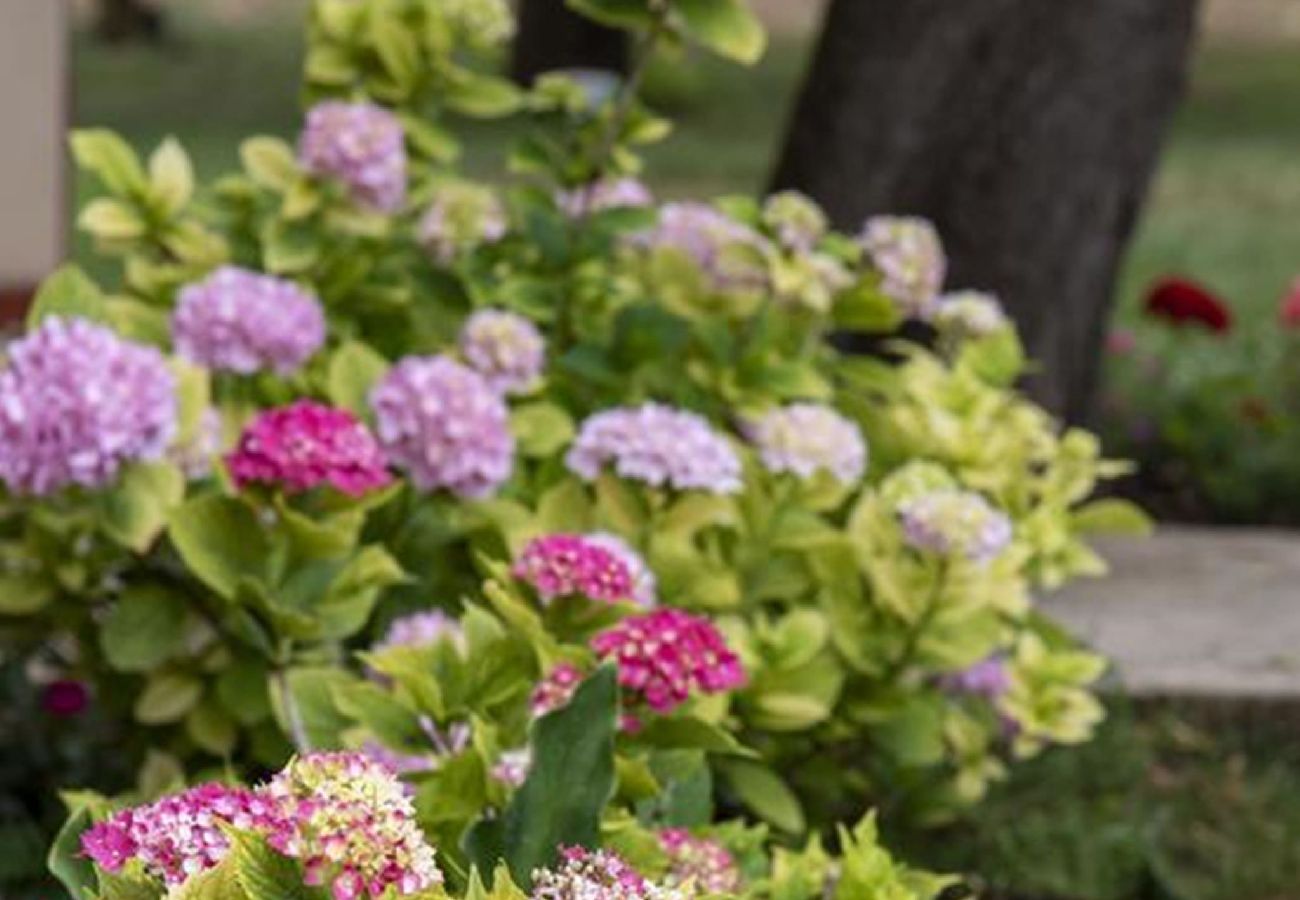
(77, 403)
(804, 438)
(723, 248)
(955, 522)
(659, 445)
(305, 445)
(360, 145)
(909, 256)
(988, 678)
(422, 629)
(245, 322)
(608, 193)
(701, 866)
(445, 425)
(505, 348)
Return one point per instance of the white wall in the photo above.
(33, 104)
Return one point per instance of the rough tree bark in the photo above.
(552, 37)
(1028, 130)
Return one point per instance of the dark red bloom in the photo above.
(1182, 301)
(65, 698)
(1289, 311)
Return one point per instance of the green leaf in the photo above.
(727, 27)
(481, 96)
(24, 593)
(110, 159)
(113, 886)
(167, 697)
(111, 220)
(68, 293)
(218, 883)
(688, 733)
(171, 176)
(766, 793)
(264, 874)
(571, 781)
(633, 14)
(144, 628)
(312, 691)
(346, 606)
(396, 47)
(221, 541)
(269, 162)
(135, 511)
(209, 726)
(354, 369)
(66, 861)
(1112, 517)
(542, 429)
(866, 308)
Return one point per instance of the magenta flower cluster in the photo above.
(606, 194)
(445, 425)
(658, 445)
(700, 866)
(556, 689)
(954, 522)
(77, 403)
(804, 438)
(645, 587)
(240, 321)
(360, 145)
(595, 875)
(564, 565)
(729, 254)
(909, 256)
(305, 445)
(665, 656)
(505, 348)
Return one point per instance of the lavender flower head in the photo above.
(461, 217)
(360, 145)
(723, 249)
(645, 588)
(955, 522)
(988, 678)
(599, 196)
(245, 322)
(445, 425)
(596, 875)
(967, 315)
(505, 348)
(422, 629)
(77, 403)
(796, 219)
(658, 445)
(803, 438)
(909, 256)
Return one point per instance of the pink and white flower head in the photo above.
(596, 875)
(606, 194)
(77, 403)
(245, 322)
(805, 438)
(908, 254)
(988, 678)
(505, 348)
(701, 866)
(422, 629)
(445, 426)
(658, 445)
(645, 588)
(462, 217)
(955, 523)
(556, 689)
(513, 766)
(666, 656)
(360, 145)
(722, 248)
(797, 220)
(969, 315)
(566, 565)
(303, 446)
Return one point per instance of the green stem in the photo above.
(913, 642)
(297, 727)
(631, 87)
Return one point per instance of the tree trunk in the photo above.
(1028, 130)
(552, 37)
(121, 21)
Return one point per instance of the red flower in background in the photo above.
(1182, 301)
(1289, 312)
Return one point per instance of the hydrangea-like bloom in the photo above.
(805, 437)
(988, 678)
(305, 445)
(910, 258)
(196, 456)
(399, 763)
(957, 522)
(596, 875)
(422, 629)
(77, 403)
(723, 248)
(699, 865)
(659, 445)
(967, 315)
(443, 423)
(562, 565)
(505, 348)
(645, 589)
(360, 145)
(556, 689)
(352, 825)
(666, 655)
(462, 216)
(608, 193)
(245, 322)
(796, 218)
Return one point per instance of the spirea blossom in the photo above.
(245, 322)
(561, 565)
(306, 445)
(556, 689)
(665, 656)
(505, 348)
(803, 438)
(987, 678)
(608, 193)
(645, 588)
(697, 864)
(909, 256)
(461, 217)
(442, 422)
(797, 220)
(596, 875)
(659, 445)
(360, 145)
(969, 314)
(949, 522)
(724, 249)
(77, 403)
(422, 629)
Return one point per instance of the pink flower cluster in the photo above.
(422, 629)
(77, 403)
(910, 258)
(803, 438)
(346, 818)
(505, 348)
(595, 875)
(361, 145)
(608, 193)
(666, 655)
(699, 865)
(563, 565)
(659, 445)
(305, 445)
(245, 322)
(957, 522)
(556, 689)
(445, 425)
(645, 588)
(988, 678)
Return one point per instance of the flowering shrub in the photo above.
(572, 514)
